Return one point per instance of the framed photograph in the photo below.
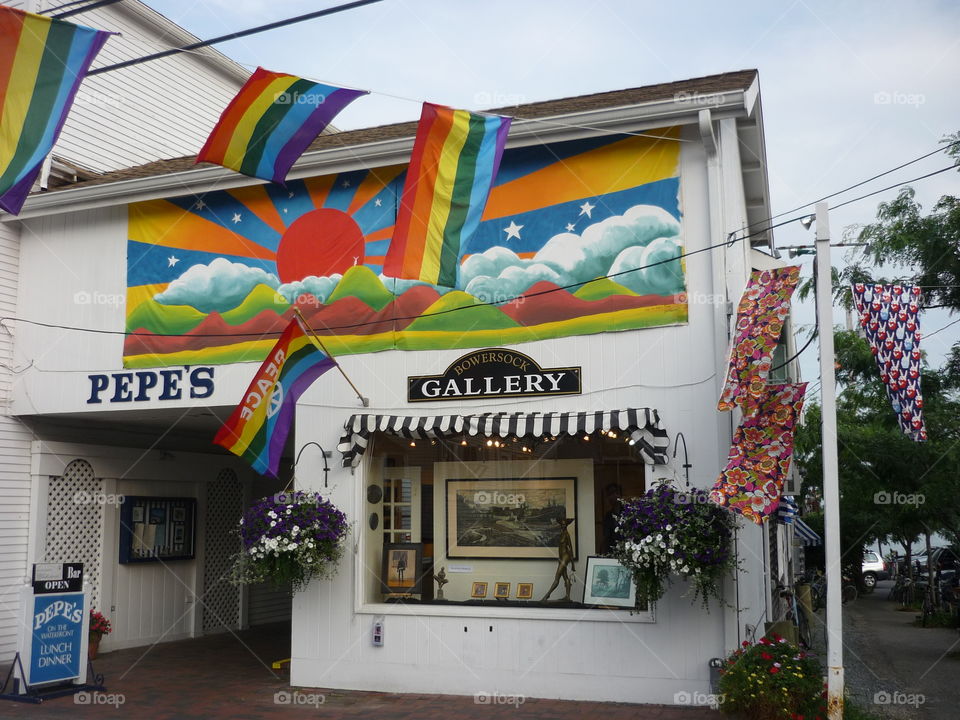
(501, 590)
(136, 514)
(478, 590)
(607, 582)
(158, 515)
(524, 591)
(512, 518)
(401, 573)
(179, 514)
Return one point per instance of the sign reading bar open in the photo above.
(493, 372)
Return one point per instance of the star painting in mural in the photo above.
(236, 218)
(513, 230)
(571, 227)
(172, 261)
(199, 204)
(587, 209)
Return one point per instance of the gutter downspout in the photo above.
(721, 334)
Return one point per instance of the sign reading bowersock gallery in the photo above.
(493, 372)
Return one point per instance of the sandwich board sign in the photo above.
(54, 634)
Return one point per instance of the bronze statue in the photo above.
(564, 558)
(441, 578)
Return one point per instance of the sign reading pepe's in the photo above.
(493, 372)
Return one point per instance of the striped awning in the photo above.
(807, 535)
(642, 425)
(788, 510)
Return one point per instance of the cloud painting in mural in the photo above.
(234, 263)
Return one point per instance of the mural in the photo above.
(214, 279)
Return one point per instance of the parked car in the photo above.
(874, 568)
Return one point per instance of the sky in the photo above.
(848, 89)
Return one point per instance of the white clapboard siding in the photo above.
(14, 458)
(156, 110)
(268, 605)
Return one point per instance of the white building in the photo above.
(663, 167)
(128, 117)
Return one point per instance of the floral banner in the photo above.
(763, 308)
(889, 315)
(759, 458)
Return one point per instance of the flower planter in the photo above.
(93, 646)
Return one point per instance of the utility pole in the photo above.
(831, 486)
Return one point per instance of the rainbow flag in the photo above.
(454, 162)
(271, 121)
(42, 63)
(258, 428)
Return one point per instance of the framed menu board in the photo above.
(157, 528)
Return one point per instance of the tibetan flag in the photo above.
(258, 428)
(42, 63)
(454, 162)
(271, 121)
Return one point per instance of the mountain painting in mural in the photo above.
(214, 279)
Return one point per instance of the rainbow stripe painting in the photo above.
(454, 163)
(258, 428)
(42, 63)
(271, 121)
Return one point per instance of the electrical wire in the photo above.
(799, 352)
(85, 8)
(930, 335)
(847, 202)
(235, 35)
(940, 149)
(64, 6)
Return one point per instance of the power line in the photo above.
(61, 7)
(86, 8)
(940, 149)
(930, 335)
(235, 35)
(847, 202)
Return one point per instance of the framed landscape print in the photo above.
(401, 572)
(608, 582)
(509, 517)
(501, 590)
(524, 591)
(479, 590)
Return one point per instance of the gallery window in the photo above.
(477, 520)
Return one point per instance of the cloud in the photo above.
(318, 287)
(643, 234)
(220, 286)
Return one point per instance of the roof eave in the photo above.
(555, 128)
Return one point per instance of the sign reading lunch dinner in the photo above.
(56, 637)
(493, 372)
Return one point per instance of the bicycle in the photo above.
(798, 616)
(818, 589)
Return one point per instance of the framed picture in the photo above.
(136, 514)
(501, 590)
(607, 582)
(179, 514)
(510, 517)
(158, 515)
(178, 535)
(478, 590)
(524, 591)
(401, 573)
(157, 528)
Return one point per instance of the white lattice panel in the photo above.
(221, 600)
(75, 523)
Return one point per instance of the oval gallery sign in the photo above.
(493, 372)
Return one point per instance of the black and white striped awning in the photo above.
(642, 424)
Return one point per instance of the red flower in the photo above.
(774, 671)
(766, 656)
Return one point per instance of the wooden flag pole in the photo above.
(319, 342)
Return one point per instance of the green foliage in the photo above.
(770, 680)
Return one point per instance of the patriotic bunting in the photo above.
(759, 458)
(42, 63)
(889, 316)
(454, 163)
(270, 123)
(763, 308)
(258, 428)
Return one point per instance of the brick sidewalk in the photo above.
(221, 677)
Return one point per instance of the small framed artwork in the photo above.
(524, 591)
(478, 590)
(401, 573)
(608, 583)
(501, 590)
(179, 514)
(137, 514)
(178, 535)
(158, 515)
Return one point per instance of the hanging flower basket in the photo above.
(667, 533)
(288, 539)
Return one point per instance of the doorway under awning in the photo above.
(642, 426)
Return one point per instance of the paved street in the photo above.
(221, 677)
(889, 660)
